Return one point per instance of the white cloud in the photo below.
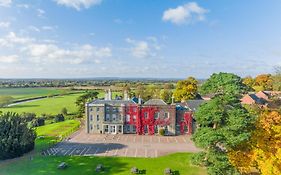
(145, 48)
(13, 39)
(49, 27)
(5, 3)
(5, 24)
(26, 6)
(78, 4)
(33, 28)
(51, 53)
(187, 13)
(40, 13)
(9, 59)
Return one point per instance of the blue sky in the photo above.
(140, 38)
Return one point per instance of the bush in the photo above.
(64, 111)
(59, 118)
(28, 117)
(38, 122)
(162, 132)
(16, 138)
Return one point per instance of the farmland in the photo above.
(51, 105)
(25, 93)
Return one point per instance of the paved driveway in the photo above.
(122, 145)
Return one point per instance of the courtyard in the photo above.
(128, 145)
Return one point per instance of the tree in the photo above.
(263, 82)
(166, 95)
(249, 82)
(222, 123)
(186, 89)
(16, 138)
(81, 101)
(5, 100)
(263, 151)
(64, 111)
(276, 84)
(59, 118)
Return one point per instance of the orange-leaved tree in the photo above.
(263, 152)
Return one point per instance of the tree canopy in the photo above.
(186, 89)
(81, 101)
(263, 151)
(222, 123)
(16, 138)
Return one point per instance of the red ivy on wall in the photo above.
(186, 122)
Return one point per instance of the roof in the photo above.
(194, 104)
(155, 102)
(257, 99)
(112, 102)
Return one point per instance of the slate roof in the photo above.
(257, 99)
(155, 102)
(112, 102)
(194, 104)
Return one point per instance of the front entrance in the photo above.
(112, 129)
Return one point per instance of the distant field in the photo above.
(24, 93)
(51, 105)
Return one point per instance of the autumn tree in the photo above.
(263, 82)
(276, 84)
(249, 82)
(263, 151)
(186, 89)
(222, 123)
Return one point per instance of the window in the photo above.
(91, 109)
(106, 128)
(98, 118)
(128, 128)
(156, 129)
(120, 129)
(134, 128)
(107, 108)
(134, 118)
(98, 127)
(107, 118)
(91, 117)
(145, 115)
(113, 117)
(127, 118)
(156, 115)
(145, 129)
(166, 115)
(91, 127)
(98, 109)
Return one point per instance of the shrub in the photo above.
(64, 111)
(28, 117)
(162, 132)
(38, 122)
(59, 118)
(16, 138)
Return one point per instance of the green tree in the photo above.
(222, 123)
(5, 100)
(166, 95)
(81, 101)
(186, 89)
(16, 138)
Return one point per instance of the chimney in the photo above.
(139, 100)
(109, 95)
(105, 95)
(173, 99)
(126, 96)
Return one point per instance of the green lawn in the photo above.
(24, 93)
(57, 129)
(113, 165)
(51, 105)
(54, 132)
